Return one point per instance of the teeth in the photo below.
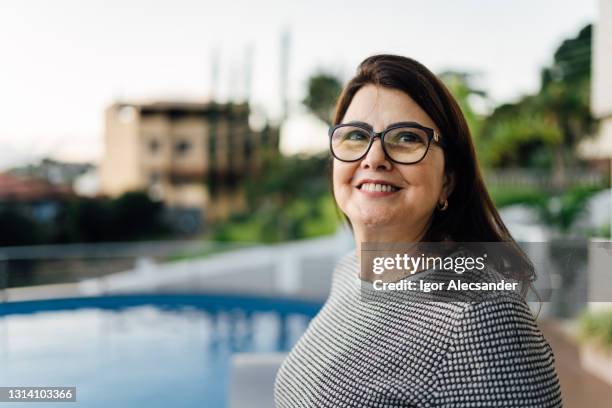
(378, 187)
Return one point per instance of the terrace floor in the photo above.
(579, 388)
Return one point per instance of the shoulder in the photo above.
(501, 331)
(498, 348)
(502, 310)
(347, 265)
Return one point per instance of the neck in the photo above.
(387, 234)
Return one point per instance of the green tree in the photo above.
(552, 121)
(513, 132)
(565, 95)
(322, 93)
(288, 200)
(461, 85)
(131, 216)
(18, 229)
(136, 216)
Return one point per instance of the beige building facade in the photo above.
(191, 156)
(600, 148)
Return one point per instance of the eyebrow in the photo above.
(367, 125)
(357, 122)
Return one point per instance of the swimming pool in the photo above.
(142, 350)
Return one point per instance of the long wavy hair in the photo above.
(471, 215)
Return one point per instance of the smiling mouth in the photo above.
(378, 188)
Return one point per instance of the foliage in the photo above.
(506, 196)
(597, 327)
(563, 210)
(136, 216)
(131, 216)
(603, 231)
(289, 200)
(560, 210)
(301, 219)
(513, 133)
(17, 228)
(572, 59)
(556, 118)
(87, 220)
(461, 85)
(323, 90)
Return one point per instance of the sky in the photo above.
(65, 61)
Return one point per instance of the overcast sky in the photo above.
(64, 61)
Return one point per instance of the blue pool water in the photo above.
(142, 350)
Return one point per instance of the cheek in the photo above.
(342, 175)
(426, 180)
(341, 180)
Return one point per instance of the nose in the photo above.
(376, 158)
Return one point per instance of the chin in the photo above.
(373, 218)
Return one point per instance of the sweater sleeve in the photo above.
(498, 357)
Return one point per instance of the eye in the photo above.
(408, 137)
(350, 135)
(356, 135)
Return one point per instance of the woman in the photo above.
(357, 353)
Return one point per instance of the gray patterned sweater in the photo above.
(417, 352)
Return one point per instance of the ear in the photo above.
(448, 186)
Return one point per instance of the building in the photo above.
(54, 171)
(36, 198)
(600, 149)
(192, 156)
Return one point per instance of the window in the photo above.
(154, 146)
(182, 147)
(154, 177)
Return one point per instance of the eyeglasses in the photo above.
(403, 143)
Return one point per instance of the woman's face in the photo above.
(418, 187)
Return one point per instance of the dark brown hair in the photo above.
(471, 215)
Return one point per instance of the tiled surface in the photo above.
(579, 389)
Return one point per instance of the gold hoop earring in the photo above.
(444, 206)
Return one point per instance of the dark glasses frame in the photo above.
(432, 134)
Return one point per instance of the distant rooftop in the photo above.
(14, 188)
(179, 108)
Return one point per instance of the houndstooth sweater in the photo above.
(416, 353)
